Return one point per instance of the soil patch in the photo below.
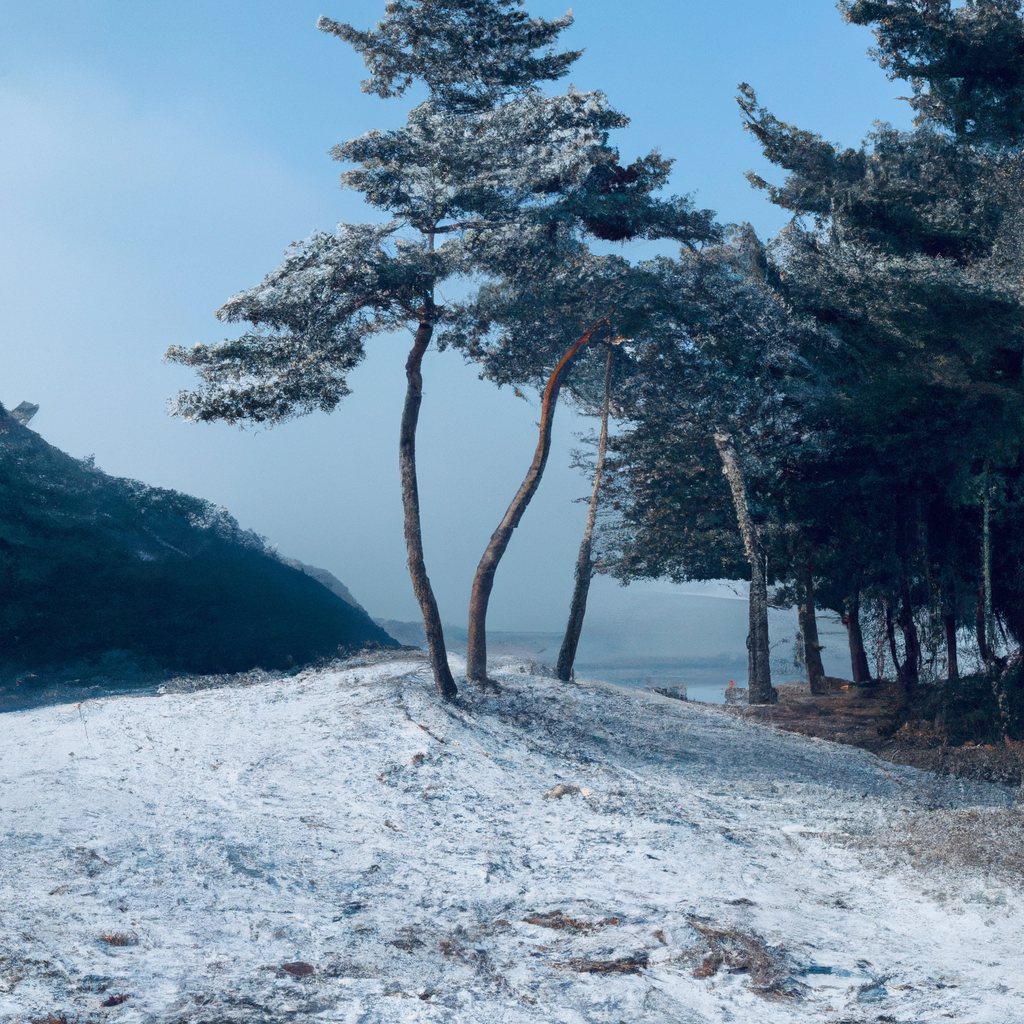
(879, 719)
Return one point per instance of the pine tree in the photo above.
(584, 571)
(531, 323)
(907, 249)
(485, 172)
(965, 63)
(719, 378)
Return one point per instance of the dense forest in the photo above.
(834, 414)
(859, 375)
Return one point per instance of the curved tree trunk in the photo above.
(411, 506)
(758, 655)
(584, 561)
(858, 656)
(483, 581)
(809, 629)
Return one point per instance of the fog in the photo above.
(156, 159)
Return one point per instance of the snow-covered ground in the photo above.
(339, 846)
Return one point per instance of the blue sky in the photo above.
(156, 158)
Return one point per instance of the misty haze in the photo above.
(511, 514)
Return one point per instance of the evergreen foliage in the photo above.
(469, 53)
(94, 567)
(868, 361)
(965, 62)
(860, 377)
(489, 180)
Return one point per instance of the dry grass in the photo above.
(990, 840)
(741, 953)
(561, 922)
(120, 939)
(622, 965)
(869, 717)
(298, 969)
(561, 790)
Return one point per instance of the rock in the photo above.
(736, 694)
(675, 692)
(561, 790)
(24, 413)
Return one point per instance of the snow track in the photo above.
(339, 846)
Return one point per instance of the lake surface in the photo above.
(658, 636)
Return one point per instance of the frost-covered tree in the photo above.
(964, 61)
(534, 322)
(908, 248)
(713, 406)
(488, 181)
(485, 171)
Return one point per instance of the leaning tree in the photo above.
(485, 171)
(541, 319)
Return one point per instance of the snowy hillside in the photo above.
(338, 846)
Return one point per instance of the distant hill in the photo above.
(327, 579)
(96, 568)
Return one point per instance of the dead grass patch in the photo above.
(739, 952)
(875, 718)
(486, 929)
(562, 922)
(621, 965)
(406, 940)
(989, 839)
(120, 939)
(298, 969)
(561, 790)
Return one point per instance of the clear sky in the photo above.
(156, 158)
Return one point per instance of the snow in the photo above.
(406, 851)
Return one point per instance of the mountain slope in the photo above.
(96, 567)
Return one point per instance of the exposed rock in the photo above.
(24, 413)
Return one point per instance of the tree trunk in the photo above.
(952, 665)
(880, 643)
(758, 654)
(986, 633)
(809, 629)
(483, 581)
(411, 506)
(890, 632)
(979, 625)
(584, 562)
(858, 656)
(911, 644)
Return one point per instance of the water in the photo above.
(657, 635)
(662, 637)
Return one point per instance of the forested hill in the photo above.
(96, 569)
